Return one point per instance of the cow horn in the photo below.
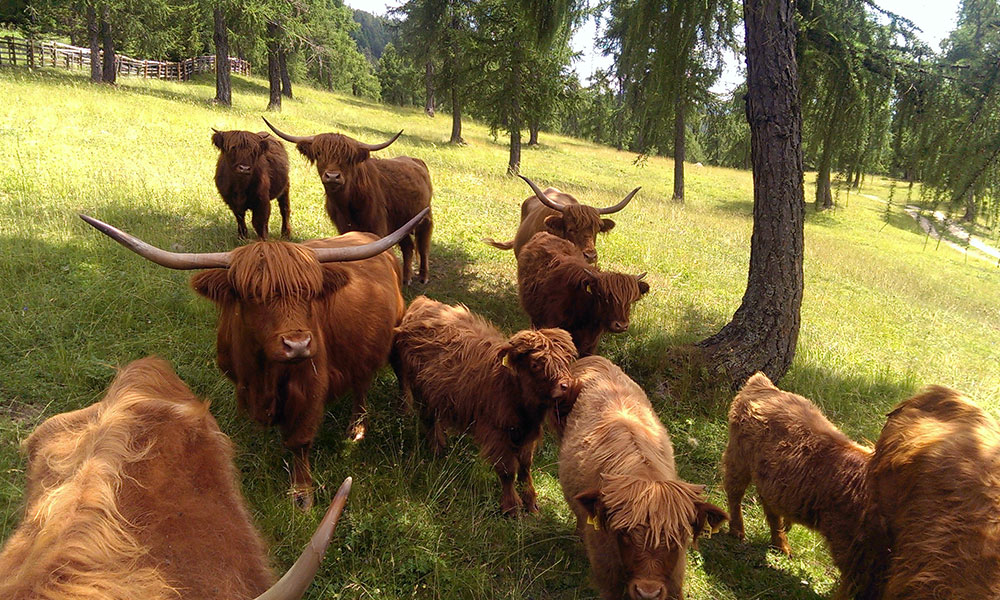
(640, 276)
(344, 254)
(620, 205)
(171, 260)
(542, 197)
(374, 147)
(296, 580)
(295, 139)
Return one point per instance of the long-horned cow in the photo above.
(561, 215)
(370, 194)
(299, 325)
(136, 496)
(252, 169)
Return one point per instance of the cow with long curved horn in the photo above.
(299, 325)
(137, 496)
(561, 215)
(364, 193)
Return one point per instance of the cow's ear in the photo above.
(333, 280)
(590, 500)
(708, 519)
(643, 288)
(263, 142)
(607, 225)
(556, 225)
(214, 285)
(360, 155)
(218, 139)
(306, 150)
(587, 282)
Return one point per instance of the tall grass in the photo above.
(882, 314)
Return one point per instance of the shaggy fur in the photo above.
(616, 467)
(579, 224)
(935, 478)
(134, 497)
(275, 294)
(805, 471)
(463, 374)
(266, 164)
(374, 195)
(559, 289)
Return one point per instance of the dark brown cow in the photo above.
(136, 497)
(806, 471)
(252, 169)
(559, 289)
(463, 374)
(298, 326)
(562, 215)
(935, 480)
(370, 194)
(616, 468)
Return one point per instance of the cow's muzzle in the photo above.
(334, 178)
(243, 169)
(647, 590)
(297, 346)
(618, 326)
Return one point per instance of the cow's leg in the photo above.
(302, 483)
(735, 479)
(525, 458)
(286, 214)
(436, 438)
(423, 236)
(777, 525)
(358, 425)
(261, 215)
(300, 417)
(241, 223)
(506, 468)
(406, 245)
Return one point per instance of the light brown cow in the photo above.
(561, 215)
(137, 496)
(935, 480)
(616, 467)
(806, 471)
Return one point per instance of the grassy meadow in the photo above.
(883, 314)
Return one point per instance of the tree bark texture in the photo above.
(679, 107)
(764, 330)
(456, 117)
(95, 44)
(223, 84)
(108, 72)
(514, 163)
(286, 81)
(824, 191)
(533, 134)
(429, 84)
(273, 67)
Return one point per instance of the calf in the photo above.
(463, 374)
(616, 468)
(136, 497)
(252, 169)
(934, 480)
(559, 289)
(805, 471)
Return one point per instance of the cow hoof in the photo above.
(738, 534)
(408, 281)
(303, 498)
(356, 431)
(424, 279)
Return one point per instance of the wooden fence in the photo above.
(31, 53)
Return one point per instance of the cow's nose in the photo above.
(619, 326)
(242, 168)
(560, 388)
(296, 346)
(332, 177)
(648, 591)
(590, 255)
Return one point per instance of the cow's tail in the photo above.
(500, 245)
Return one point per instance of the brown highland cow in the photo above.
(463, 374)
(252, 169)
(616, 467)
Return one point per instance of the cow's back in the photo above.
(276, 158)
(407, 188)
(934, 481)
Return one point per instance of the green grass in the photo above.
(882, 315)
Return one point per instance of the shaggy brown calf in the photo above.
(136, 497)
(934, 479)
(252, 169)
(561, 215)
(299, 325)
(616, 468)
(805, 471)
(463, 374)
(559, 289)
(371, 194)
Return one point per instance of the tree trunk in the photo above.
(679, 107)
(108, 72)
(273, 67)
(429, 83)
(765, 328)
(970, 207)
(223, 85)
(533, 134)
(286, 81)
(95, 44)
(456, 117)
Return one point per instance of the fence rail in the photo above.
(32, 53)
